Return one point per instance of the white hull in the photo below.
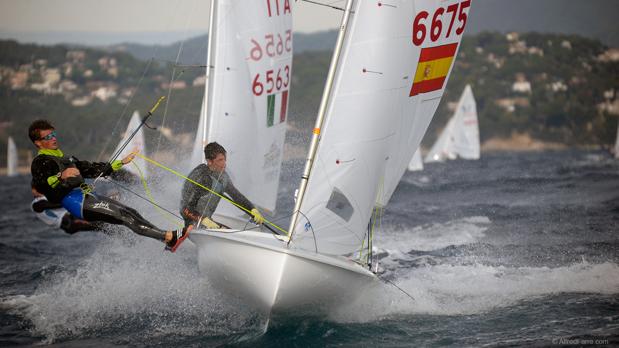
(261, 271)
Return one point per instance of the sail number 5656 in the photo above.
(274, 45)
(421, 27)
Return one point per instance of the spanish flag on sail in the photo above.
(433, 67)
(276, 108)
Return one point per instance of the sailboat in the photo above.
(136, 143)
(460, 137)
(382, 90)
(11, 158)
(416, 163)
(617, 143)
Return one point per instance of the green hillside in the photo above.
(90, 94)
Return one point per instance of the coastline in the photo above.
(520, 142)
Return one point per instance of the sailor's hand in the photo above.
(208, 223)
(130, 157)
(258, 218)
(69, 173)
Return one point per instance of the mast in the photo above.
(320, 118)
(209, 59)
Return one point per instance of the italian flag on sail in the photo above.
(276, 108)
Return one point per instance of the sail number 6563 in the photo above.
(421, 25)
(271, 83)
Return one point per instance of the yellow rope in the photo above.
(152, 200)
(205, 188)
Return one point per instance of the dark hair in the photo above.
(34, 131)
(211, 150)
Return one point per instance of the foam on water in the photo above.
(123, 285)
(431, 237)
(471, 289)
(462, 286)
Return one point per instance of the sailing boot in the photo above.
(178, 237)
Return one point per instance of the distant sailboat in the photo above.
(416, 163)
(136, 143)
(11, 158)
(617, 143)
(460, 137)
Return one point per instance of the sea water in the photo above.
(515, 249)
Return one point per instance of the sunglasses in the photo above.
(50, 136)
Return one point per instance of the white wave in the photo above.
(398, 242)
(122, 284)
(462, 290)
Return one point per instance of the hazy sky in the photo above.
(102, 22)
(135, 15)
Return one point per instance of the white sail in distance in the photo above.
(11, 158)
(197, 154)
(388, 84)
(136, 143)
(246, 106)
(460, 137)
(416, 163)
(617, 143)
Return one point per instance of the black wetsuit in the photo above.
(95, 207)
(197, 202)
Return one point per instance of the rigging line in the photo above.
(150, 160)
(172, 80)
(124, 145)
(135, 131)
(399, 288)
(150, 196)
(142, 197)
(379, 214)
(133, 93)
(325, 5)
(165, 110)
(312, 228)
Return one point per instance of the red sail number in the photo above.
(420, 24)
(274, 45)
(271, 83)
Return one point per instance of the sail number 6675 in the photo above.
(420, 24)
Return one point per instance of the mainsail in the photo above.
(11, 158)
(246, 101)
(387, 87)
(137, 143)
(460, 138)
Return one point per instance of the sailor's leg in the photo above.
(100, 208)
(71, 224)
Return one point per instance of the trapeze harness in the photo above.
(51, 217)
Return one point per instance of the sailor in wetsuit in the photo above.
(61, 179)
(197, 204)
(56, 216)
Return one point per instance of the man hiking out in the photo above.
(61, 179)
